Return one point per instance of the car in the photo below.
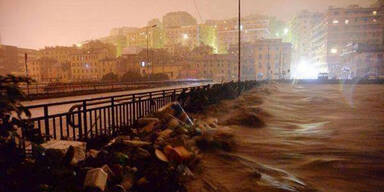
(322, 76)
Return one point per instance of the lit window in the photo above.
(335, 21)
(347, 21)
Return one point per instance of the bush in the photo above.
(110, 77)
(158, 77)
(131, 76)
(12, 118)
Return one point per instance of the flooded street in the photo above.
(304, 138)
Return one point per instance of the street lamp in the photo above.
(239, 28)
(334, 50)
(286, 30)
(153, 26)
(26, 70)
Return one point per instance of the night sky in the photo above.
(39, 23)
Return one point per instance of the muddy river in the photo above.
(311, 138)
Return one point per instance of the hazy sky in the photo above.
(39, 23)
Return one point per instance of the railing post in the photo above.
(139, 112)
(46, 122)
(150, 102)
(174, 95)
(134, 107)
(79, 123)
(85, 119)
(113, 114)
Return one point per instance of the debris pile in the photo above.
(161, 153)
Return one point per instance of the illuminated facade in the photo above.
(91, 66)
(343, 26)
(362, 61)
(218, 67)
(52, 64)
(301, 29)
(153, 35)
(253, 28)
(265, 59)
(190, 36)
(63, 64)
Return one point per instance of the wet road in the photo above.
(316, 138)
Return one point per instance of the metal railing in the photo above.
(87, 119)
(103, 116)
(47, 89)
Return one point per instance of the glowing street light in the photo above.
(286, 30)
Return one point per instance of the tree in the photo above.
(158, 77)
(110, 77)
(131, 76)
(14, 116)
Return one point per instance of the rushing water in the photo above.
(316, 138)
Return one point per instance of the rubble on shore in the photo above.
(161, 153)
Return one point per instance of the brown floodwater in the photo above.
(316, 138)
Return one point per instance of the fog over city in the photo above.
(191, 95)
(39, 23)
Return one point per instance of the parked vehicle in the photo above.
(322, 76)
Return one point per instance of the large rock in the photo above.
(96, 178)
(73, 151)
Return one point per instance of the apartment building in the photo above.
(265, 59)
(253, 28)
(343, 26)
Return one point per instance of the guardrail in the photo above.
(104, 116)
(89, 118)
(64, 89)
